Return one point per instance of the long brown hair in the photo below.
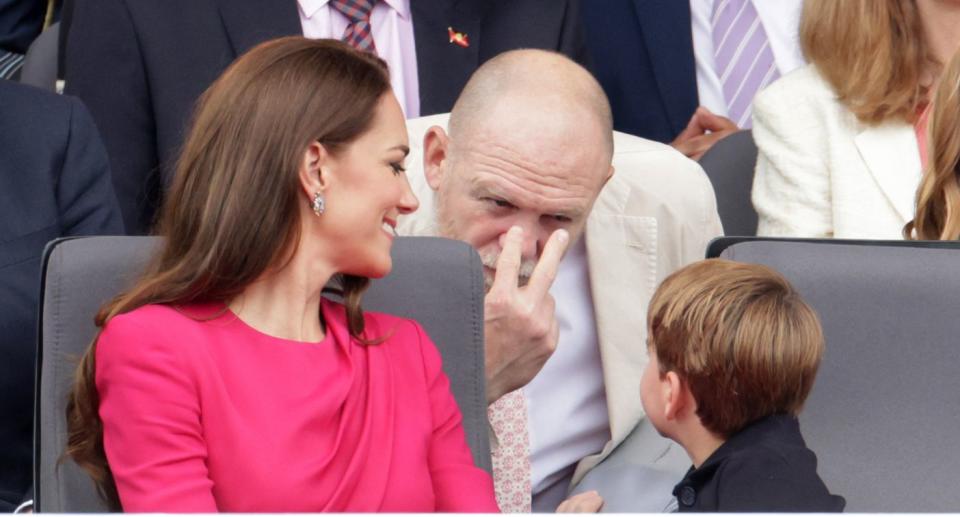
(938, 197)
(233, 209)
(873, 53)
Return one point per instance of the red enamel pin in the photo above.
(458, 37)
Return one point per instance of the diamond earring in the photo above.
(319, 204)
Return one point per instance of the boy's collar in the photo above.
(751, 435)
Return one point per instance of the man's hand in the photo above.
(703, 130)
(520, 323)
(587, 502)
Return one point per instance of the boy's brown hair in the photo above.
(740, 337)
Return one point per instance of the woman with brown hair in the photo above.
(841, 141)
(223, 380)
(938, 198)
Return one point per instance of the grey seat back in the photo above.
(730, 164)
(885, 409)
(40, 63)
(437, 282)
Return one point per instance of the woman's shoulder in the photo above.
(145, 317)
(797, 102)
(803, 83)
(376, 324)
(384, 321)
(403, 337)
(161, 317)
(155, 327)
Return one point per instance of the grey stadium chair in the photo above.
(435, 281)
(885, 409)
(730, 164)
(40, 64)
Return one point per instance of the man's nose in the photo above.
(530, 244)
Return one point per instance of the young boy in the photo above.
(733, 355)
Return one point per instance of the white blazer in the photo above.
(656, 214)
(823, 173)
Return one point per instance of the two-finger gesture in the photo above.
(520, 322)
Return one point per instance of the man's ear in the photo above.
(436, 144)
(675, 395)
(314, 169)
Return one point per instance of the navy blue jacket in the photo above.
(20, 22)
(140, 66)
(54, 182)
(642, 53)
(765, 467)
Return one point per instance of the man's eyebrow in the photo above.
(403, 148)
(573, 213)
(483, 190)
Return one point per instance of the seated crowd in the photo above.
(280, 147)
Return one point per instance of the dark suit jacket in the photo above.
(766, 467)
(54, 181)
(642, 53)
(20, 22)
(140, 65)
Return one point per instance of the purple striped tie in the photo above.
(358, 33)
(742, 56)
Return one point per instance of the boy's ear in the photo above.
(676, 395)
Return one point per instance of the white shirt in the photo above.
(392, 29)
(566, 402)
(781, 21)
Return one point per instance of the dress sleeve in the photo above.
(152, 430)
(458, 484)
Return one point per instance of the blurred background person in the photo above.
(841, 141)
(140, 65)
(54, 182)
(685, 72)
(938, 198)
(223, 380)
(20, 23)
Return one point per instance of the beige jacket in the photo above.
(823, 173)
(656, 214)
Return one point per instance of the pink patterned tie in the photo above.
(511, 454)
(357, 33)
(742, 56)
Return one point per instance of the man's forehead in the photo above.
(539, 163)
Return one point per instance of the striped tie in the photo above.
(10, 64)
(357, 33)
(742, 56)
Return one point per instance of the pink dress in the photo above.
(205, 415)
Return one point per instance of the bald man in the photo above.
(572, 253)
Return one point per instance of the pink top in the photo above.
(204, 415)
